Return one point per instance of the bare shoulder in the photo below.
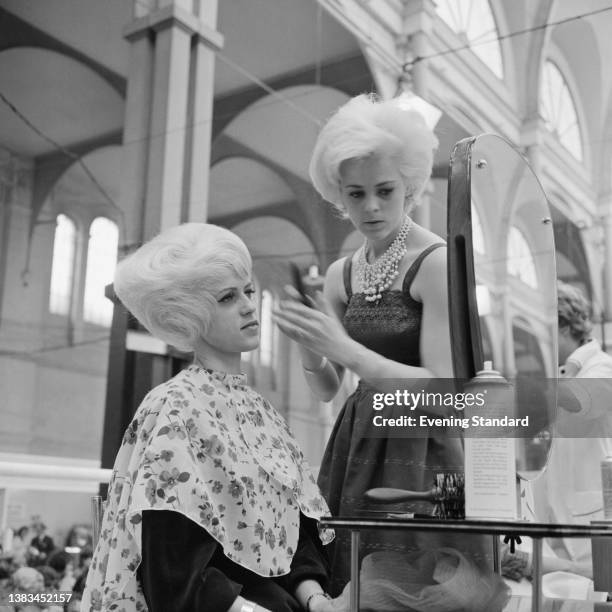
(431, 280)
(435, 260)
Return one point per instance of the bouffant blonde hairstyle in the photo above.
(366, 126)
(574, 312)
(168, 284)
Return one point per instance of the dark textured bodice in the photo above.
(391, 327)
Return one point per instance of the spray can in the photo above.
(498, 393)
(606, 487)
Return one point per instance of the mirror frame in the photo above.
(465, 329)
(467, 349)
(466, 337)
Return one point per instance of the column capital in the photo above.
(173, 16)
(418, 16)
(531, 129)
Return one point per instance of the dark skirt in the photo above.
(360, 456)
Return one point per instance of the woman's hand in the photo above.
(582, 568)
(320, 604)
(316, 329)
(240, 601)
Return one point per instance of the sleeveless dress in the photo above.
(357, 458)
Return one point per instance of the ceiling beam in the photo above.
(15, 33)
(350, 75)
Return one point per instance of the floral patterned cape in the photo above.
(206, 445)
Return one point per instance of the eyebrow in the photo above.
(232, 288)
(390, 181)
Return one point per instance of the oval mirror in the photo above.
(502, 280)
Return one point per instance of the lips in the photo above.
(252, 324)
(373, 223)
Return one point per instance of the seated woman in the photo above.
(211, 504)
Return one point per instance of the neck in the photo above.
(564, 356)
(212, 359)
(378, 247)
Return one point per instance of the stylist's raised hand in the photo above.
(315, 328)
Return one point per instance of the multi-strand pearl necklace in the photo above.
(376, 277)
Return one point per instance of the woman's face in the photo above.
(234, 322)
(373, 194)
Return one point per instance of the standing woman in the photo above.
(383, 314)
(211, 505)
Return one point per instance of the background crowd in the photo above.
(32, 562)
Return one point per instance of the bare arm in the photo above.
(320, 333)
(325, 381)
(518, 564)
(310, 595)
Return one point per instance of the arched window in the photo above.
(474, 20)
(520, 259)
(62, 266)
(266, 344)
(559, 111)
(101, 262)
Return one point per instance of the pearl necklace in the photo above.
(375, 278)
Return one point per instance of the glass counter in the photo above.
(536, 602)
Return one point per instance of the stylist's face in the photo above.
(373, 194)
(234, 323)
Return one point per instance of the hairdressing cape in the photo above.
(206, 445)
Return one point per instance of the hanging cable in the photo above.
(273, 92)
(455, 50)
(61, 149)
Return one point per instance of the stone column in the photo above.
(168, 115)
(200, 117)
(168, 121)
(419, 16)
(133, 195)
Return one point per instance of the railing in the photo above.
(97, 512)
(34, 474)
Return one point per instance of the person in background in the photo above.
(383, 315)
(41, 542)
(569, 491)
(62, 563)
(28, 581)
(20, 547)
(573, 492)
(211, 504)
(580, 355)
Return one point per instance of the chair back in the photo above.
(97, 511)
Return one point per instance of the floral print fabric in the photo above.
(206, 445)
